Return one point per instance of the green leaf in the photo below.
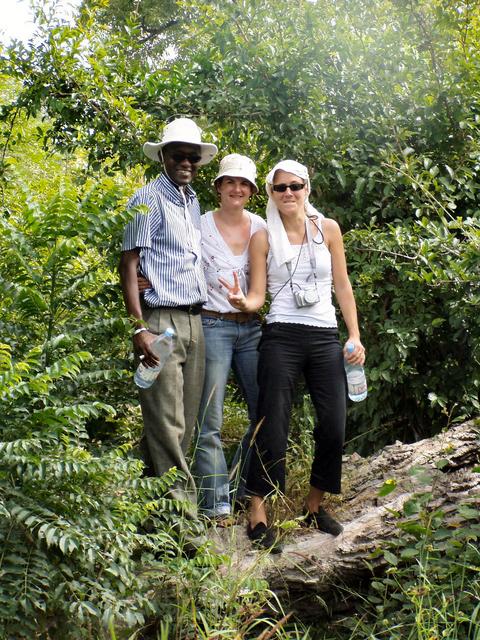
(341, 178)
(416, 529)
(390, 558)
(450, 171)
(408, 553)
(91, 608)
(387, 488)
(467, 512)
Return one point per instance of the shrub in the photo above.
(418, 299)
(69, 519)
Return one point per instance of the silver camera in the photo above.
(306, 297)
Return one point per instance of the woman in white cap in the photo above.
(298, 260)
(231, 336)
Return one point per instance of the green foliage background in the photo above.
(379, 98)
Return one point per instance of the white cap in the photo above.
(237, 166)
(289, 166)
(182, 130)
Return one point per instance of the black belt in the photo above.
(192, 309)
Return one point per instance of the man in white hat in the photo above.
(163, 244)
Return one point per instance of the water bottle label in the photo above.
(148, 374)
(357, 389)
(357, 384)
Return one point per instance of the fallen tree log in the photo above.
(307, 575)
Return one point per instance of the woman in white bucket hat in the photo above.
(231, 337)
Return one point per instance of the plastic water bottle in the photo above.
(162, 347)
(356, 380)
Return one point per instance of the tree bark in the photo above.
(314, 568)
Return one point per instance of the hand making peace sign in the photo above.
(235, 295)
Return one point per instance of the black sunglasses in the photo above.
(295, 186)
(178, 157)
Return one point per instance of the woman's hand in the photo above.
(235, 295)
(357, 356)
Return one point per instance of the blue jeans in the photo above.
(228, 345)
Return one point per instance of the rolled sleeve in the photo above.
(138, 232)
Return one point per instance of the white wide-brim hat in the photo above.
(181, 130)
(237, 166)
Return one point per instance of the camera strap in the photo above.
(311, 253)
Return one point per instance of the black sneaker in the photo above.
(322, 521)
(264, 537)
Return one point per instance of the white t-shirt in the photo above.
(219, 261)
(282, 306)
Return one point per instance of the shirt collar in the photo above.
(172, 190)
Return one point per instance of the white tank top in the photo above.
(282, 306)
(219, 261)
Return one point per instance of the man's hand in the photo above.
(143, 342)
(143, 284)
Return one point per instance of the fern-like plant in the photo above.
(69, 519)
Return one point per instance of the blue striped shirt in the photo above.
(168, 237)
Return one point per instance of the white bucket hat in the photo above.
(181, 130)
(237, 166)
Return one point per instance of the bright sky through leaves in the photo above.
(17, 21)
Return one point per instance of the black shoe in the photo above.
(322, 521)
(264, 537)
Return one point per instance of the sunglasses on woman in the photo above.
(295, 186)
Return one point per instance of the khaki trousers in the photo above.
(170, 406)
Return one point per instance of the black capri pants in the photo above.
(286, 351)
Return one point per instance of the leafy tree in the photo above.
(418, 305)
(160, 23)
